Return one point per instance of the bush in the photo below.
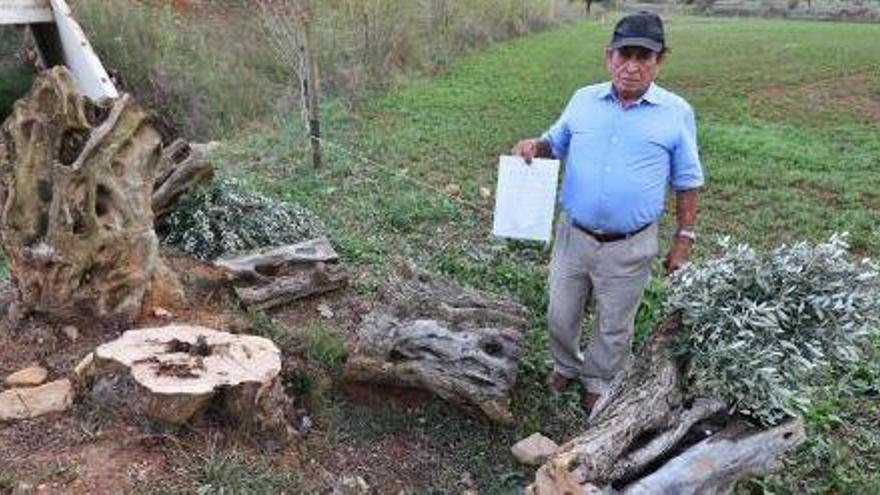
(765, 331)
(225, 218)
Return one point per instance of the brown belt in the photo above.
(606, 237)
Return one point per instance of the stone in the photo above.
(485, 193)
(325, 311)
(162, 313)
(28, 377)
(453, 189)
(534, 450)
(352, 485)
(70, 332)
(24, 403)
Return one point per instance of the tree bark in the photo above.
(280, 275)
(180, 169)
(75, 187)
(646, 435)
(428, 333)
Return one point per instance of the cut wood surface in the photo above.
(429, 333)
(180, 368)
(75, 185)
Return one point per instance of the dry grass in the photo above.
(208, 70)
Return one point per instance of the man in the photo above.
(623, 141)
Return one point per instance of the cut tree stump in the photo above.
(647, 436)
(180, 169)
(429, 333)
(178, 370)
(280, 275)
(75, 187)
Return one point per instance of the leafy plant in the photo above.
(224, 218)
(765, 330)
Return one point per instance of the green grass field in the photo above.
(788, 117)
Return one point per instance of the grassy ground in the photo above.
(787, 111)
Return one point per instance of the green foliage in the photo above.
(7, 482)
(765, 331)
(15, 76)
(224, 217)
(221, 472)
(324, 345)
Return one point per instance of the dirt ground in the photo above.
(90, 450)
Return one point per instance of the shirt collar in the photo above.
(651, 96)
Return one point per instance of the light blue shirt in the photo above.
(619, 161)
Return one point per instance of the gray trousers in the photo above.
(612, 276)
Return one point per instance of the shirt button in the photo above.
(608, 169)
(614, 139)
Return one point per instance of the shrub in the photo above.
(765, 331)
(224, 218)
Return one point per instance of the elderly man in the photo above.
(622, 141)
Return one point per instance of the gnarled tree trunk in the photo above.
(76, 180)
(428, 333)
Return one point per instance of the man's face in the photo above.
(632, 69)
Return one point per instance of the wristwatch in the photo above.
(687, 234)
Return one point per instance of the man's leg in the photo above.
(622, 272)
(569, 288)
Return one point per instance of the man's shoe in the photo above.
(558, 382)
(588, 401)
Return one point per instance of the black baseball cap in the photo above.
(643, 29)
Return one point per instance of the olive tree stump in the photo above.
(648, 436)
(429, 333)
(76, 181)
(172, 373)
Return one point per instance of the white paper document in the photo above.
(525, 198)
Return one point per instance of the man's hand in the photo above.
(531, 148)
(679, 254)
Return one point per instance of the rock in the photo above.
(24, 403)
(485, 193)
(453, 189)
(352, 485)
(161, 312)
(71, 332)
(28, 377)
(534, 450)
(325, 311)
(23, 489)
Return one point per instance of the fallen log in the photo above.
(718, 462)
(281, 275)
(647, 436)
(429, 333)
(170, 374)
